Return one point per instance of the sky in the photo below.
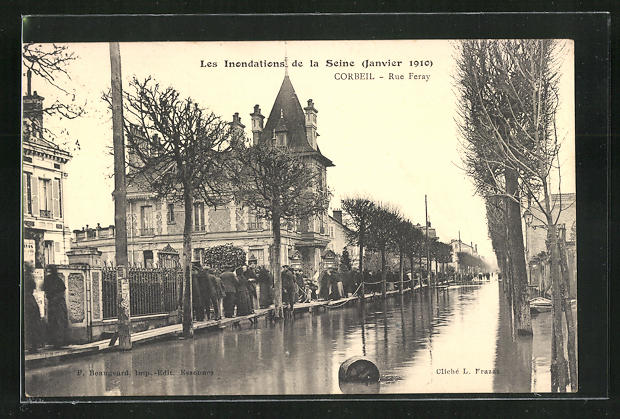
(393, 140)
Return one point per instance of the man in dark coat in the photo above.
(198, 306)
(215, 292)
(230, 285)
(57, 318)
(244, 301)
(288, 286)
(324, 282)
(265, 280)
(205, 292)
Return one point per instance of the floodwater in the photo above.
(450, 341)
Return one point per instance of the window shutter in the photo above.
(55, 202)
(25, 190)
(34, 182)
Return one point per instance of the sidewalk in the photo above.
(45, 356)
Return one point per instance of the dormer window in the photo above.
(281, 140)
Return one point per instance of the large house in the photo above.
(155, 226)
(460, 246)
(46, 238)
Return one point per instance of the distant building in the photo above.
(432, 233)
(155, 226)
(46, 238)
(460, 246)
(338, 238)
(563, 207)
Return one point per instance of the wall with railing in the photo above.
(90, 295)
(151, 291)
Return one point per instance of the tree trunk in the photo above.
(187, 262)
(276, 268)
(568, 315)
(523, 318)
(361, 261)
(401, 271)
(412, 284)
(558, 364)
(383, 274)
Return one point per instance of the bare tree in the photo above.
(383, 233)
(278, 184)
(359, 211)
(178, 152)
(514, 99)
(480, 90)
(50, 63)
(414, 247)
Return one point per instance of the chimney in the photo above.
(29, 75)
(33, 110)
(257, 124)
(311, 133)
(476, 247)
(236, 122)
(337, 215)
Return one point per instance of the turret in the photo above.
(311, 134)
(257, 124)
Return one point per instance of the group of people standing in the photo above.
(231, 292)
(39, 331)
(334, 285)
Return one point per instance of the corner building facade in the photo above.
(155, 226)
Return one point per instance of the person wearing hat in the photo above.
(244, 302)
(230, 286)
(198, 304)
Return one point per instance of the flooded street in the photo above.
(454, 340)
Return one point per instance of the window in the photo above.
(331, 232)
(321, 225)
(45, 196)
(148, 258)
(146, 220)
(254, 222)
(198, 255)
(170, 215)
(199, 216)
(27, 193)
(281, 139)
(259, 255)
(57, 198)
(48, 252)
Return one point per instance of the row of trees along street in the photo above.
(381, 228)
(508, 99)
(183, 152)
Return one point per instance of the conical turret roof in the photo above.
(287, 110)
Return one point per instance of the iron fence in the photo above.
(151, 290)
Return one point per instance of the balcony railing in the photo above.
(148, 231)
(46, 213)
(255, 226)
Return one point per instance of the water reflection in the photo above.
(451, 340)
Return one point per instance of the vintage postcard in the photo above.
(299, 218)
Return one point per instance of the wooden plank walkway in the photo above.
(176, 330)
